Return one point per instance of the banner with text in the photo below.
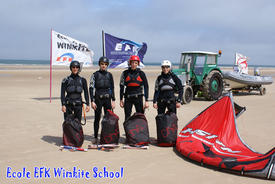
(119, 50)
(66, 49)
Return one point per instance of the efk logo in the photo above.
(65, 57)
(128, 46)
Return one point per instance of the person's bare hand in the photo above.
(146, 105)
(87, 108)
(94, 106)
(113, 104)
(63, 109)
(121, 104)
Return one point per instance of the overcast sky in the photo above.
(167, 26)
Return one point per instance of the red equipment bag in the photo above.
(136, 129)
(72, 132)
(167, 129)
(110, 128)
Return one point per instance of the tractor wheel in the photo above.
(187, 95)
(262, 91)
(213, 85)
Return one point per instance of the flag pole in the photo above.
(103, 43)
(51, 69)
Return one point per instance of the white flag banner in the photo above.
(241, 62)
(66, 49)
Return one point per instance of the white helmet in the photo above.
(166, 63)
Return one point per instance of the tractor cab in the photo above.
(198, 70)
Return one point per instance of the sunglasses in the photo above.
(104, 64)
(165, 66)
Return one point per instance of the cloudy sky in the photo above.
(168, 27)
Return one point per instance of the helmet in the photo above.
(134, 58)
(74, 63)
(104, 60)
(166, 63)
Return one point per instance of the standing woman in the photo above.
(101, 92)
(166, 85)
(71, 89)
(136, 85)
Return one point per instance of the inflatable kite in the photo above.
(212, 138)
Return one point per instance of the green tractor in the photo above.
(200, 75)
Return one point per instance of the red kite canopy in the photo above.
(212, 138)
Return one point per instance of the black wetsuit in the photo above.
(165, 88)
(73, 86)
(135, 82)
(101, 92)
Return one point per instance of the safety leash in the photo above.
(83, 109)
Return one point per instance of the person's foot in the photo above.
(95, 141)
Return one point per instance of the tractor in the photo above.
(200, 75)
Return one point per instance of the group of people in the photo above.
(133, 87)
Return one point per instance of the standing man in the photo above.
(101, 92)
(167, 84)
(136, 85)
(72, 86)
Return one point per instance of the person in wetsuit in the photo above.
(166, 85)
(136, 85)
(71, 89)
(101, 92)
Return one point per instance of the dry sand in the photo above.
(31, 133)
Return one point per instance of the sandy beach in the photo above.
(31, 133)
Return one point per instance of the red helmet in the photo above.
(134, 58)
